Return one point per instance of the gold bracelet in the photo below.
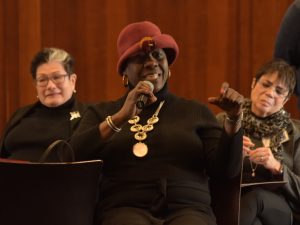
(112, 125)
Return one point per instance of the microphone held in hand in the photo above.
(142, 100)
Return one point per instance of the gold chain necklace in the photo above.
(253, 168)
(140, 149)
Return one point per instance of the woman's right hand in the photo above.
(129, 109)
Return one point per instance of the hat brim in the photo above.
(162, 41)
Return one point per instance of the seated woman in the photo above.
(159, 150)
(54, 116)
(271, 149)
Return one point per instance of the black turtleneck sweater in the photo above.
(37, 130)
(185, 147)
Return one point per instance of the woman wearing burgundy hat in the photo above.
(159, 150)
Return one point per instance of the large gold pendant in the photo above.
(140, 149)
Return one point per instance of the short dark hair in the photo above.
(286, 73)
(52, 54)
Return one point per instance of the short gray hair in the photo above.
(52, 54)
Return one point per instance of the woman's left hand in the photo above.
(229, 100)
(265, 157)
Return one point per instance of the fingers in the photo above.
(260, 155)
(247, 145)
(213, 100)
(229, 93)
(247, 139)
(234, 96)
(152, 99)
(228, 96)
(245, 152)
(224, 88)
(142, 87)
(145, 87)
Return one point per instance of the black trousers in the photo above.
(135, 216)
(263, 207)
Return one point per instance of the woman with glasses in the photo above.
(271, 150)
(54, 116)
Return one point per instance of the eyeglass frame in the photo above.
(281, 92)
(47, 78)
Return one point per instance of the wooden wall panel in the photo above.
(259, 24)
(219, 40)
(220, 47)
(2, 74)
(10, 58)
(29, 43)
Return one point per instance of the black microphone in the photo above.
(142, 100)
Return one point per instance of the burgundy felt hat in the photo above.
(131, 38)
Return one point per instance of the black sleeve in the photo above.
(287, 45)
(223, 152)
(86, 141)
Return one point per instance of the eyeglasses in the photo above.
(56, 79)
(279, 91)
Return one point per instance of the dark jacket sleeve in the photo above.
(224, 154)
(13, 121)
(81, 108)
(291, 170)
(287, 45)
(86, 141)
(235, 149)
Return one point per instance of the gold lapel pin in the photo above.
(74, 115)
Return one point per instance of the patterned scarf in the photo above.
(273, 127)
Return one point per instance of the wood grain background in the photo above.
(219, 40)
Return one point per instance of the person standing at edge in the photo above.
(287, 44)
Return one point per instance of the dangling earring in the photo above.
(125, 81)
(169, 75)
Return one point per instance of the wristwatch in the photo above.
(278, 172)
(281, 169)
